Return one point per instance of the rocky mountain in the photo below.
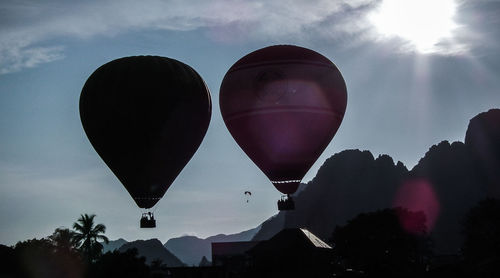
(347, 184)
(152, 249)
(451, 173)
(445, 184)
(448, 180)
(191, 249)
(483, 140)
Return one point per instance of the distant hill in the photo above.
(187, 249)
(353, 181)
(241, 236)
(270, 227)
(113, 245)
(152, 249)
(191, 249)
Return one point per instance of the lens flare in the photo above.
(417, 195)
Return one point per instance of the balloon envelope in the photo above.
(283, 105)
(145, 116)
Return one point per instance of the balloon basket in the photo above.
(286, 203)
(148, 220)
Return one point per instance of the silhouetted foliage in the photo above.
(204, 262)
(8, 262)
(35, 257)
(86, 236)
(120, 264)
(481, 247)
(158, 268)
(40, 258)
(482, 232)
(58, 256)
(63, 240)
(377, 244)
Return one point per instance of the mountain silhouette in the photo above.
(456, 176)
(352, 182)
(113, 245)
(451, 172)
(483, 140)
(152, 249)
(191, 249)
(348, 183)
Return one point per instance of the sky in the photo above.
(416, 72)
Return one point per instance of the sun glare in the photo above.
(423, 23)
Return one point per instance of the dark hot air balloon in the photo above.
(283, 105)
(145, 116)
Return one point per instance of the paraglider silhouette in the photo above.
(145, 116)
(283, 104)
(248, 194)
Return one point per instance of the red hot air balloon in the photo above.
(283, 105)
(145, 116)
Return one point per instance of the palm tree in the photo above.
(86, 236)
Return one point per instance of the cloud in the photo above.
(16, 58)
(27, 28)
(480, 25)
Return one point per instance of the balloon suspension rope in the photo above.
(152, 209)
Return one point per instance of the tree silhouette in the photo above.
(63, 240)
(204, 262)
(377, 243)
(482, 230)
(158, 264)
(35, 257)
(120, 264)
(40, 258)
(158, 268)
(86, 236)
(8, 263)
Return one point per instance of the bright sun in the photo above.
(424, 23)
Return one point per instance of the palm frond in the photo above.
(99, 228)
(77, 226)
(103, 238)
